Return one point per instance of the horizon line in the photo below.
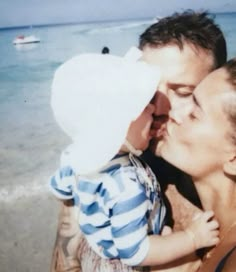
(89, 22)
(71, 23)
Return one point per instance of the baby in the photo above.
(102, 102)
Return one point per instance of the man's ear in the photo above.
(230, 165)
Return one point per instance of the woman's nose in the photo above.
(180, 112)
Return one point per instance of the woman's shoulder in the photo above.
(228, 262)
(222, 257)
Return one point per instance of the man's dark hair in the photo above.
(196, 28)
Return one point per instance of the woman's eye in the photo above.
(183, 91)
(183, 94)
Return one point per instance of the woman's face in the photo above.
(198, 143)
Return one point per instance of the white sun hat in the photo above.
(94, 99)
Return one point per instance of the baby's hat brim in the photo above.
(95, 97)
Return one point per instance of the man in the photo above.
(187, 47)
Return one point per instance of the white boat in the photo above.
(26, 39)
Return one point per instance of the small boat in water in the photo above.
(26, 39)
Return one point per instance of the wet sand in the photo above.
(28, 211)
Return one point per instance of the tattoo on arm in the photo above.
(65, 253)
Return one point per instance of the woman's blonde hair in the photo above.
(230, 106)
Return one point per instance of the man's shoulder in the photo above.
(161, 168)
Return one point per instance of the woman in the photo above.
(200, 139)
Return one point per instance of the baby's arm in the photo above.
(200, 233)
(63, 184)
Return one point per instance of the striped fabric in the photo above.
(119, 206)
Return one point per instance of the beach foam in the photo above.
(12, 195)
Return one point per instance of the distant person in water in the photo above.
(105, 50)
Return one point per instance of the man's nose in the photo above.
(161, 103)
(150, 108)
(180, 112)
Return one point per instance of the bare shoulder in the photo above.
(230, 262)
(221, 261)
(223, 257)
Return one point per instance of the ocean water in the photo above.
(30, 139)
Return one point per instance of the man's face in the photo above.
(181, 71)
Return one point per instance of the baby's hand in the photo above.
(203, 230)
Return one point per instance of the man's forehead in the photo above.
(180, 66)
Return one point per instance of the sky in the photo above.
(37, 12)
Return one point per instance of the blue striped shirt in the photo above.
(119, 206)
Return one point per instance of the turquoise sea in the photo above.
(30, 140)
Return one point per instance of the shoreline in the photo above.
(20, 191)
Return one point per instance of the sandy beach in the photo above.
(28, 210)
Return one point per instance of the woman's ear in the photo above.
(230, 165)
